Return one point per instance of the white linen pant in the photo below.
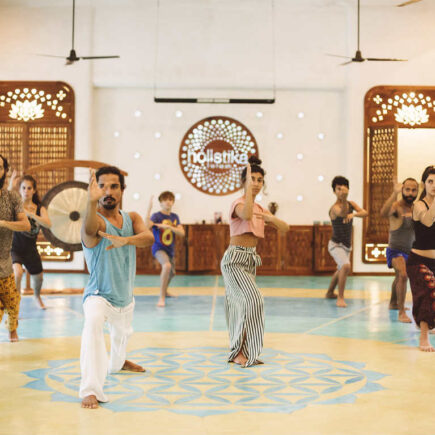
(94, 362)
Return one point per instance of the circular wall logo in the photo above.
(214, 152)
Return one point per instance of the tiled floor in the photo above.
(327, 370)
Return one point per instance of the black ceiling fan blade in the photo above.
(98, 57)
(338, 55)
(346, 63)
(410, 2)
(49, 55)
(376, 59)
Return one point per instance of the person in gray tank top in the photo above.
(399, 213)
(110, 237)
(341, 213)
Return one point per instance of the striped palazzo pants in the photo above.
(244, 305)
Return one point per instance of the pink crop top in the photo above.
(240, 226)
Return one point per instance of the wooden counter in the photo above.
(301, 251)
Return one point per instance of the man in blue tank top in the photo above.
(401, 238)
(109, 238)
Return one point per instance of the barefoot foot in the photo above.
(340, 303)
(13, 336)
(40, 303)
(330, 295)
(90, 402)
(404, 318)
(240, 359)
(161, 303)
(427, 348)
(132, 367)
(425, 345)
(170, 295)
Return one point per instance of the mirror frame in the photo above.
(387, 108)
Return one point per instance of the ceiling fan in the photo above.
(72, 57)
(409, 2)
(358, 55)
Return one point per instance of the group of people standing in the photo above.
(110, 237)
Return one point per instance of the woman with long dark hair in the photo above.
(24, 251)
(421, 262)
(243, 300)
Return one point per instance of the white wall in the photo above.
(323, 114)
(108, 92)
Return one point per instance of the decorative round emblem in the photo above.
(214, 152)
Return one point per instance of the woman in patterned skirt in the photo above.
(243, 300)
(421, 261)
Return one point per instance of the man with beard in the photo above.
(12, 218)
(400, 240)
(109, 238)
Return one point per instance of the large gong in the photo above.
(66, 205)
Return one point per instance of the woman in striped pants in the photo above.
(243, 300)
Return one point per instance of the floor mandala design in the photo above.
(198, 381)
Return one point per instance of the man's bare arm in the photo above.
(21, 224)
(92, 224)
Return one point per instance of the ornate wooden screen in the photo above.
(381, 167)
(36, 127)
(387, 108)
(199, 255)
(297, 250)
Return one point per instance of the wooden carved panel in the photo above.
(297, 250)
(49, 143)
(382, 167)
(12, 140)
(323, 262)
(37, 127)
(269, 250)
(201, 252)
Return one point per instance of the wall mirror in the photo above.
(399, 140)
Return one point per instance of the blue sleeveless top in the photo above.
(112, 272)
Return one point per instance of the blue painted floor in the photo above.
(362, 319)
